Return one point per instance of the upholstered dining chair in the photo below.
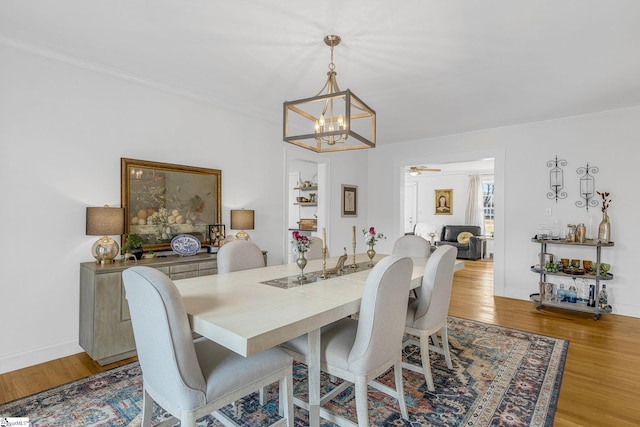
(193, 379)
(239, 255)
(358, 351)
(413, 246)
(427, 314)
(315, 249)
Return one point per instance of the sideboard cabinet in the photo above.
(105, 324)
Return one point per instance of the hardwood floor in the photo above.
(600, 385)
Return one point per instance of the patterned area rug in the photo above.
(500, 377)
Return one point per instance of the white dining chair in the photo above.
(359, 351)
(193, 379)
(427, 314)
(315, 248)
(239, 255)
(413, 246)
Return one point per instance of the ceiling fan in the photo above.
(417, 170)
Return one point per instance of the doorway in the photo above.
(410, 206)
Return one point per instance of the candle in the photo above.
(324, 238)
(354, 234)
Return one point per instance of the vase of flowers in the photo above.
(370, 238)
(604, 229)
(301, 245)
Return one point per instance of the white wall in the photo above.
(347, 167)
(458, 182)
(63, 130)
(607, 140)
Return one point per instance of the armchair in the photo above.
(471, 249)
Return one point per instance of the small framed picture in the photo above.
(216, 235)
(444, 202)
(349, 200)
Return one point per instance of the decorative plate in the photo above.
(185, 244)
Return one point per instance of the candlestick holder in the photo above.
(324, 264)
(354, 265)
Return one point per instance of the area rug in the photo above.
(500, 377)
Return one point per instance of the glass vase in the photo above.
(604, 229)
(302, 263)
(371, 253)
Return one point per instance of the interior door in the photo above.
(410, 206)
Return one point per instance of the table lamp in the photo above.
(242, 219)
(103, 222)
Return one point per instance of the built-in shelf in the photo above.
(306, 203)
(313, 187)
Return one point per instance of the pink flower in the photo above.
(372, 230)
(301, 242)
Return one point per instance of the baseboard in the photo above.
(15, 361)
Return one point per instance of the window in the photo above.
(487, 201)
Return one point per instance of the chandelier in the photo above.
(332, 120)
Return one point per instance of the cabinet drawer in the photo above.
(165, 270)
(182, 268)
(183, 275)
(208, 272)
(208, 265)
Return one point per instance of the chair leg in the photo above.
(397, 372)
(362, 401)
(188, 420)
(445, 346)
(147, 409)
(426, 361)
(263, 396)
(285, 406)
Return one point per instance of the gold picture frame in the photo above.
(443, 202)
(349, 201)
(163, 200)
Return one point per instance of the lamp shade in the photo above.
(105, 221)
(242, 219)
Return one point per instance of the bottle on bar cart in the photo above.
(603, 297)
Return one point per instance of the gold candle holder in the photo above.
(324, 264)
(354, 265)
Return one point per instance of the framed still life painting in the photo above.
(163, 200)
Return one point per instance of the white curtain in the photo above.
(474, 214)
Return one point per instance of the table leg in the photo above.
(313, 376)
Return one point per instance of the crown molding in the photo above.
(98, 67)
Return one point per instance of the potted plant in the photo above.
(133, 244)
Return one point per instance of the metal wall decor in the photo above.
(587, 186)
(556, 179)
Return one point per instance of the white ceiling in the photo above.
(427, 67)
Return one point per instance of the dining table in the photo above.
(252, 310)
